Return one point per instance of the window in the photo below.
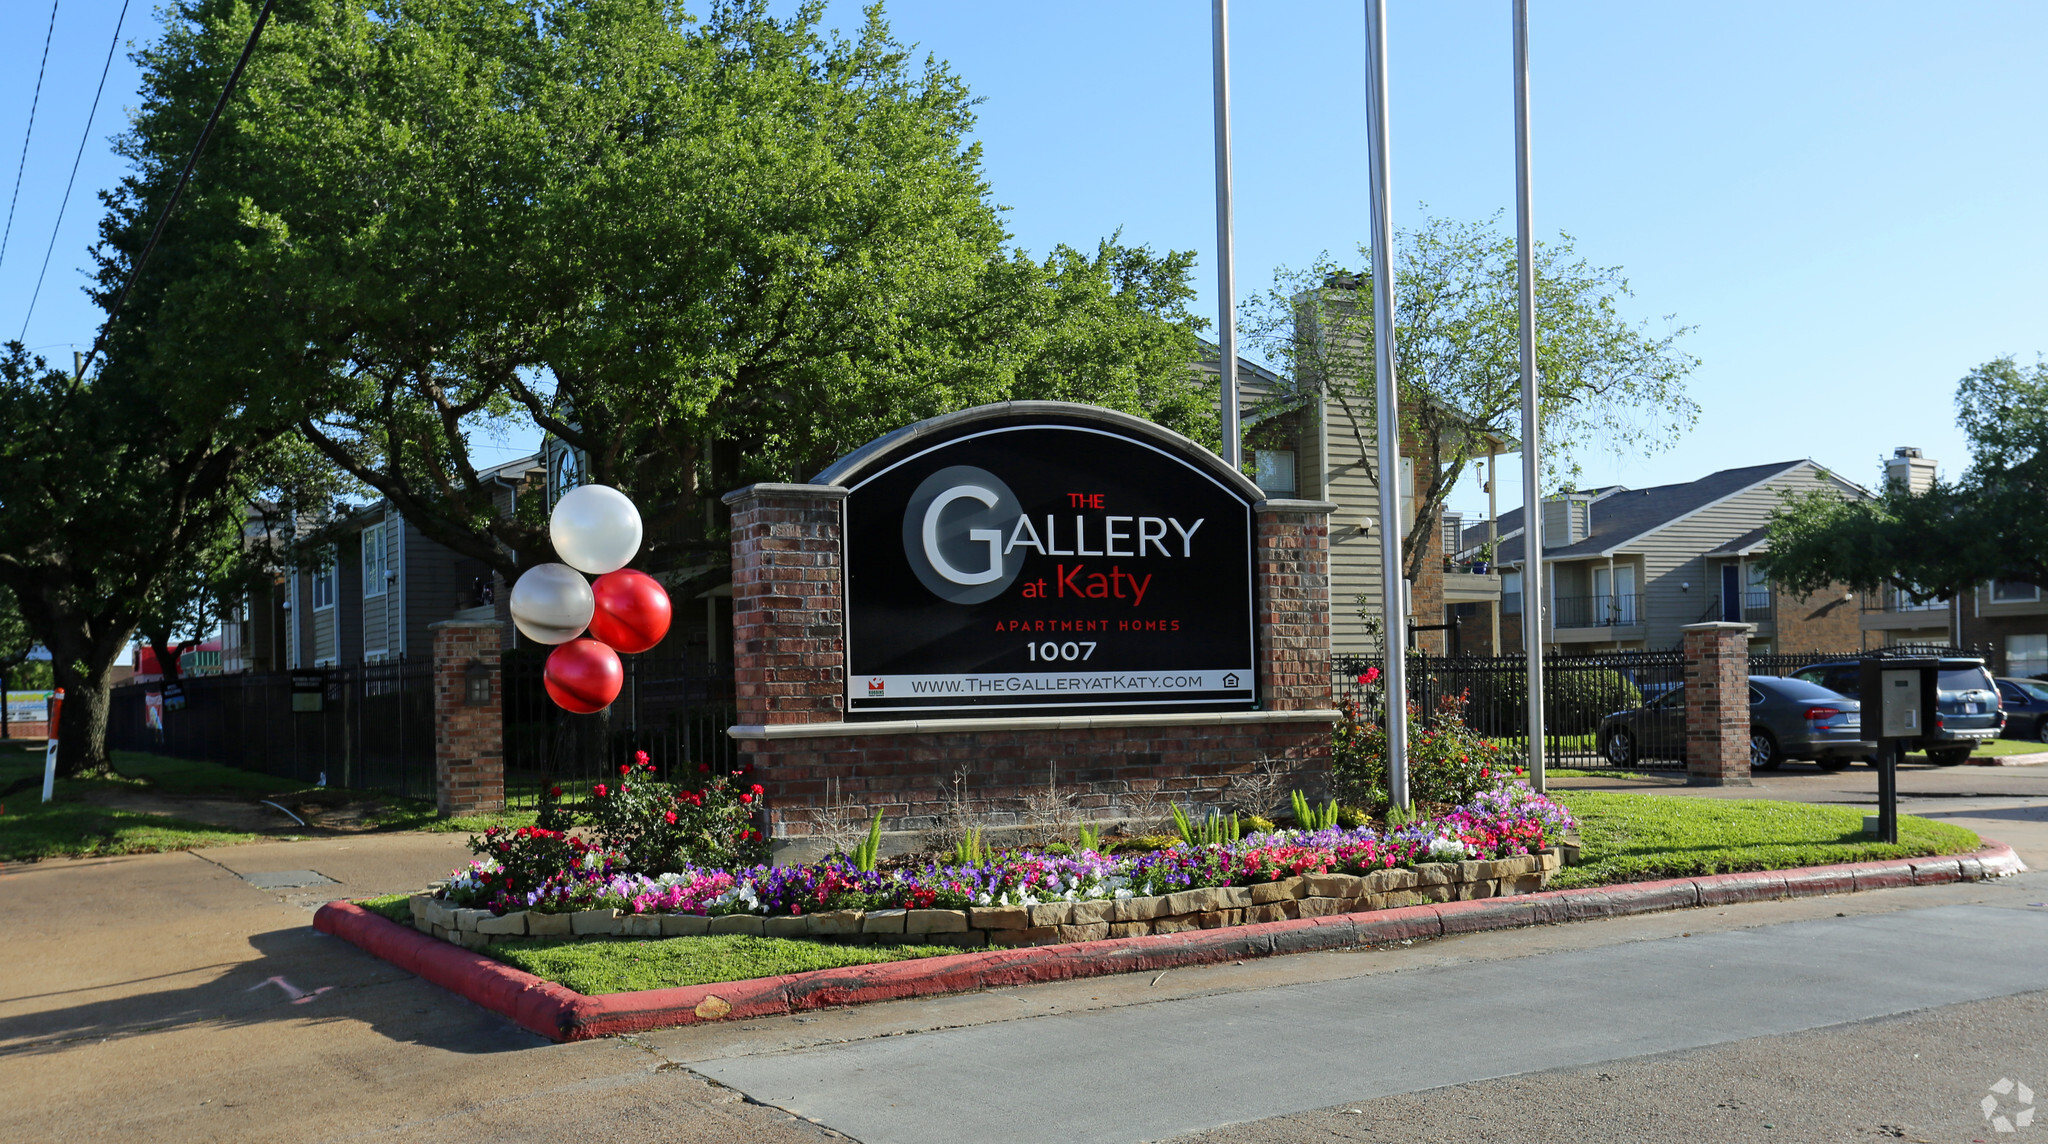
(2013, 592)
(1510, 593)
(1275, 469)
(323, 580)
(2026, 656)
(374, 562)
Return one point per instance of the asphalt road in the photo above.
(170, 998)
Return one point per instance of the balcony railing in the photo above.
(1893, 600)
(1612, 611)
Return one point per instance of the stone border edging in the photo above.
(561, 1014)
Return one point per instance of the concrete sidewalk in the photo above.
(166, 998)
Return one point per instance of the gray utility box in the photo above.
(1903, 693)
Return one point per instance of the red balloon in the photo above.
(632, 610)
(583, 676)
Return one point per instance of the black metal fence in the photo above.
(676, 709)
(369, 726)
(1491, 694)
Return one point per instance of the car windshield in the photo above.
(1965, 679)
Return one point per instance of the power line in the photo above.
(28, 134)
(205, 133)
(82, 139)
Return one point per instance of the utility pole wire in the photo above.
(184, 177)
(30, 132)
(83, 137)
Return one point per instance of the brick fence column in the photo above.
(1291, 567)
(788, 603)
(469, 739)
(1717, 704)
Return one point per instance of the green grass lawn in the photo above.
(32, 829)
(593, 967)
(1641, 837)
(1995, 748)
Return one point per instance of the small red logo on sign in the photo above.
(875, 687)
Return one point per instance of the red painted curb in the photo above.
(561, 1014)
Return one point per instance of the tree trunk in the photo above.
(82, 728)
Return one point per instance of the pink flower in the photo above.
(1371, 676)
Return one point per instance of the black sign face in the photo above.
(1049, 564)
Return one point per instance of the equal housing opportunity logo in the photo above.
(2008, 1094)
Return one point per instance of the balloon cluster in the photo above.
(595, 530)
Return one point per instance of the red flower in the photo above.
(599, 790)
(640, 757)
(746, 798)
(703, 766)
(625, 769)
(757, 788)
(671, 817)
(554, 792)
(1371, 674)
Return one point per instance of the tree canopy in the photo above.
(1602, 379)
(1952, 536)
(702, 250)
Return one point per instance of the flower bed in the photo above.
(1041, 923)
(541, 882)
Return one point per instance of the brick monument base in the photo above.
(789, 647)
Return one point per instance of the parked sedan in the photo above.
(1788, 719)
(2026, 708)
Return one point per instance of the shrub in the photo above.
(1448, 761)
(661, 828)
(1573, 701)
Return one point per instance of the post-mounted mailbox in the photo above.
(1903, 693)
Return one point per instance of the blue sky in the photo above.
(1844, 198)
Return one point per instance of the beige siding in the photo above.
(1674, 557)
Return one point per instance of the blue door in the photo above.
(1731, 594)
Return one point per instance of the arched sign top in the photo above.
(892, 447)
(1045, 558)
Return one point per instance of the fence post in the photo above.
(1717, 704)
(469, 738)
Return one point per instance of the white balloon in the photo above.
(595, 529)
(552, 604)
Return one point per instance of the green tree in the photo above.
(110, 485)
(1952, 536)
(1602, 379)
(701, 250)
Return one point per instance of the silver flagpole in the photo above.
(1226, 266)
(1532, 468)
(1393, 604)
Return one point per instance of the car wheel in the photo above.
(1763, 750)
(2041, 729)
(1949, 756)
(1621, 748)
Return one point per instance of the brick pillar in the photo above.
(788, 603)
(469, 740)
(1291, 566)
(1717, 704)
